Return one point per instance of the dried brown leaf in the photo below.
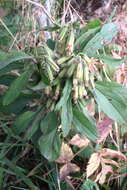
(80, 141)
(67, 169)
(105, 170)
(66, 154)
(108, 161)
(93, 164)
(104, 127)
(113, 153)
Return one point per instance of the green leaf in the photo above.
(85, 37)
(49, 123)
(18, 105)
(23, 121)
(50, 145)
(112, 99)
(12, 66)
(49, 142)
(65, 95)
(66, 117)
(102, 38)
(89, 185)
(20, 174)
(111, 61)
(35, 124)
(84, 125)
(12, 57)
(7, 79)
(16, 87)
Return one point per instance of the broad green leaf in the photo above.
(35, 124)
(112, 99)
(18, 105)
(66, 117)
(6, 59)
(83, 38)
(16, 87)
(102, 38)
(23, 121)
(50, 145)
(89, 185)
(93, 23)
(84, 125)
(49, 123)
(65, 95)
(111, 61)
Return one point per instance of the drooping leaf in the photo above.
(65, 95)
(35, 124)
(50, 142)
(66, 117)
(112, 99)
(113, 153)
(16, 87)
(84, 125)
(50, 145)
(12, 57)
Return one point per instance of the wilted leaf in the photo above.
(108, 161)
(105, 170)
(66, 154)
(93, 164)
(104, 127)
(80, 141)
(67, 169)
(113, 153)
